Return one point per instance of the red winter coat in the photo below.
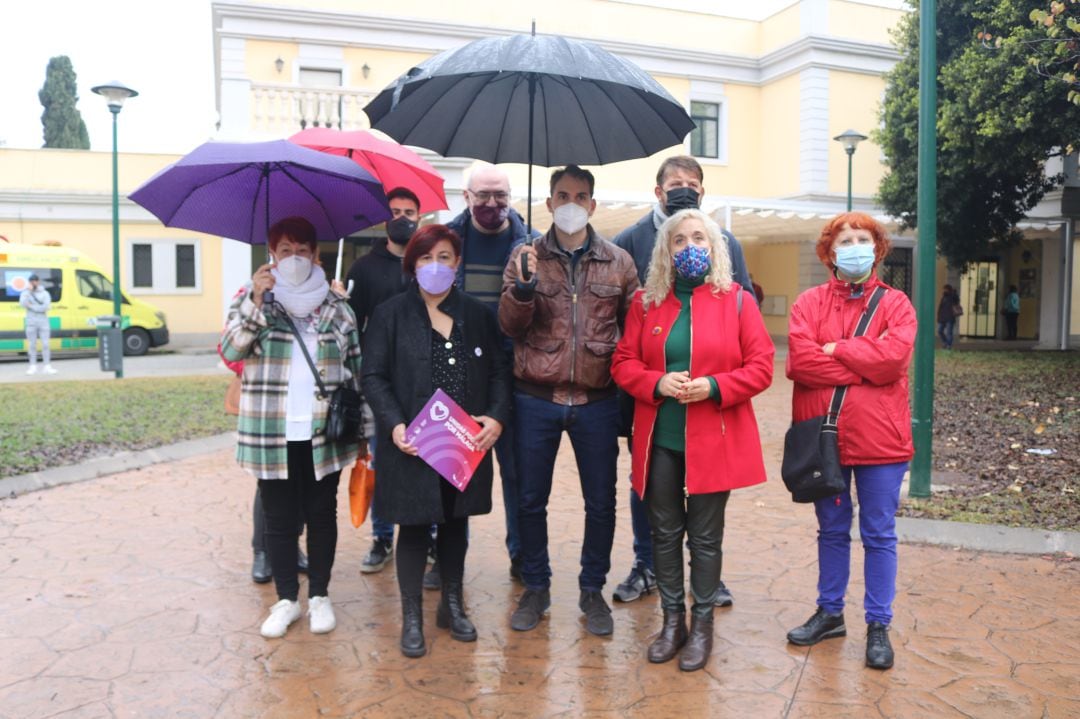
(875, 421)
(723, 449)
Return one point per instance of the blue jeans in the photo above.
(945, 332)
(639, 522)
(507, 456)
(878, 487)
(593, 430)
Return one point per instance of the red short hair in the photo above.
(856, 221)
(423, 240)
(296, 229)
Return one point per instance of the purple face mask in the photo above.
(490, 217)
(435, 278)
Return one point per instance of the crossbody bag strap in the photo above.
(307, 355)
(860, 329)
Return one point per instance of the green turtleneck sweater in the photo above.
(670, 429)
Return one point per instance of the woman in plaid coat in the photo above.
(282, 423)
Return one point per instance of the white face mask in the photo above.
(570, 218)
(294, 269)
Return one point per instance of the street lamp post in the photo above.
(850, 140)
(115, 93)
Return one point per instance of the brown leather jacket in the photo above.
(565, 329)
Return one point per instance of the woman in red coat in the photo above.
(874, 426)
(694, 351)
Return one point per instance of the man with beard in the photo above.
(377, 277)
(678, 187)
(489, 230)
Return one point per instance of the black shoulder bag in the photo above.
(345, 415)
(811, 467)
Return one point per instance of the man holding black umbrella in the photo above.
(565, 320)
(490, 229)
(678, 187)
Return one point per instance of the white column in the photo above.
(814, 130)
(235, 270)
(236, 110)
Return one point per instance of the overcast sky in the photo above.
(161, 48)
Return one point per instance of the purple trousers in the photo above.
(878, 489)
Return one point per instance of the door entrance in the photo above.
(979, 298)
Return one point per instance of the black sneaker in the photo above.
(530, 608)
(597, 613)
(723, 597)
(641, 580)
(433, 577)
(820, 626)
(379, 556)
(879, 653)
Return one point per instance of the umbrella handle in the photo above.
(526, 276)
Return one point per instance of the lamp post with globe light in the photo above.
(850, 140)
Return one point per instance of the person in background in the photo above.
(679, 186)
(1011, 310)
(36, 300)
(376, 277)
(696, 436)
(564, 313)
(433, 336)
(759, 293)
(874, 424)
(489, 230)
(282, 423)
(946, 316)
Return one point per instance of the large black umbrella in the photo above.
(536, 99)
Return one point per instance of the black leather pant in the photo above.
(671, 515)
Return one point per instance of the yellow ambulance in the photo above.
(81, 292)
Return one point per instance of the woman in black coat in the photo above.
(432, 336)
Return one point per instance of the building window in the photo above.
(705, 138)
(164, 267)
(142, 266)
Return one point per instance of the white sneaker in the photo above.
(321, 615)
(49, 369)
(32, 370)
(282, 614)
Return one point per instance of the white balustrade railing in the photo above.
(285, 109)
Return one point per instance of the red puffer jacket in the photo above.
(875, 421)
(723, 448)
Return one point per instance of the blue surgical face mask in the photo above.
(855, 261)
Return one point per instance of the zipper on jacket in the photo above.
(690, 371)
(573, 324)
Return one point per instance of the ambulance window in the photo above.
(94, 286)
(16, 279)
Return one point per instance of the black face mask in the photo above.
(400, 229)
(681, 198)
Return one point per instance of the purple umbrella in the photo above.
(240, 189)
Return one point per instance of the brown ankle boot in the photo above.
(698, 645)
(671, 638)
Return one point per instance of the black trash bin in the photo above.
(110, 343)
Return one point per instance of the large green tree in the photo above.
(62, 124)
(998, 122)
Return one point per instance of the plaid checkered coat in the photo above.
(264, 343)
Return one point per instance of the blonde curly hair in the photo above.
(661, 275)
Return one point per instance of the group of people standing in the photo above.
(536, 336)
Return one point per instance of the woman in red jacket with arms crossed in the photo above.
(692, 356)
(874, 427)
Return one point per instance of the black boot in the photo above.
(699, 644)
(671, 638)
(879, 652)
(412, 627)
(451, 613)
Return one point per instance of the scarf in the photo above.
(301, 300)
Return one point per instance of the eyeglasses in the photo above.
(484, 196)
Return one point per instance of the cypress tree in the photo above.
(62, 124)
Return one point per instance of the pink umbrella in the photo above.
(393, 164)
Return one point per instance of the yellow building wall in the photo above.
(384, 66)
(775, 266)
(853, 103)
(778, 142)
(742, 175)
(780, 29)
(862, 22)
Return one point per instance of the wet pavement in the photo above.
(129, 595)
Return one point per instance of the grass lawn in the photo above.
(990, 408)
(57, 423)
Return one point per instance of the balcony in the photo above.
(285, 109)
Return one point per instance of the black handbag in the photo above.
(345, 414)
(811, 467)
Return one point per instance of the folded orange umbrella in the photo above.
(361, 489)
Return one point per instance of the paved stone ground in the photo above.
(130, 596)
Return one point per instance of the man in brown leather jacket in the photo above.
(565, 320)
